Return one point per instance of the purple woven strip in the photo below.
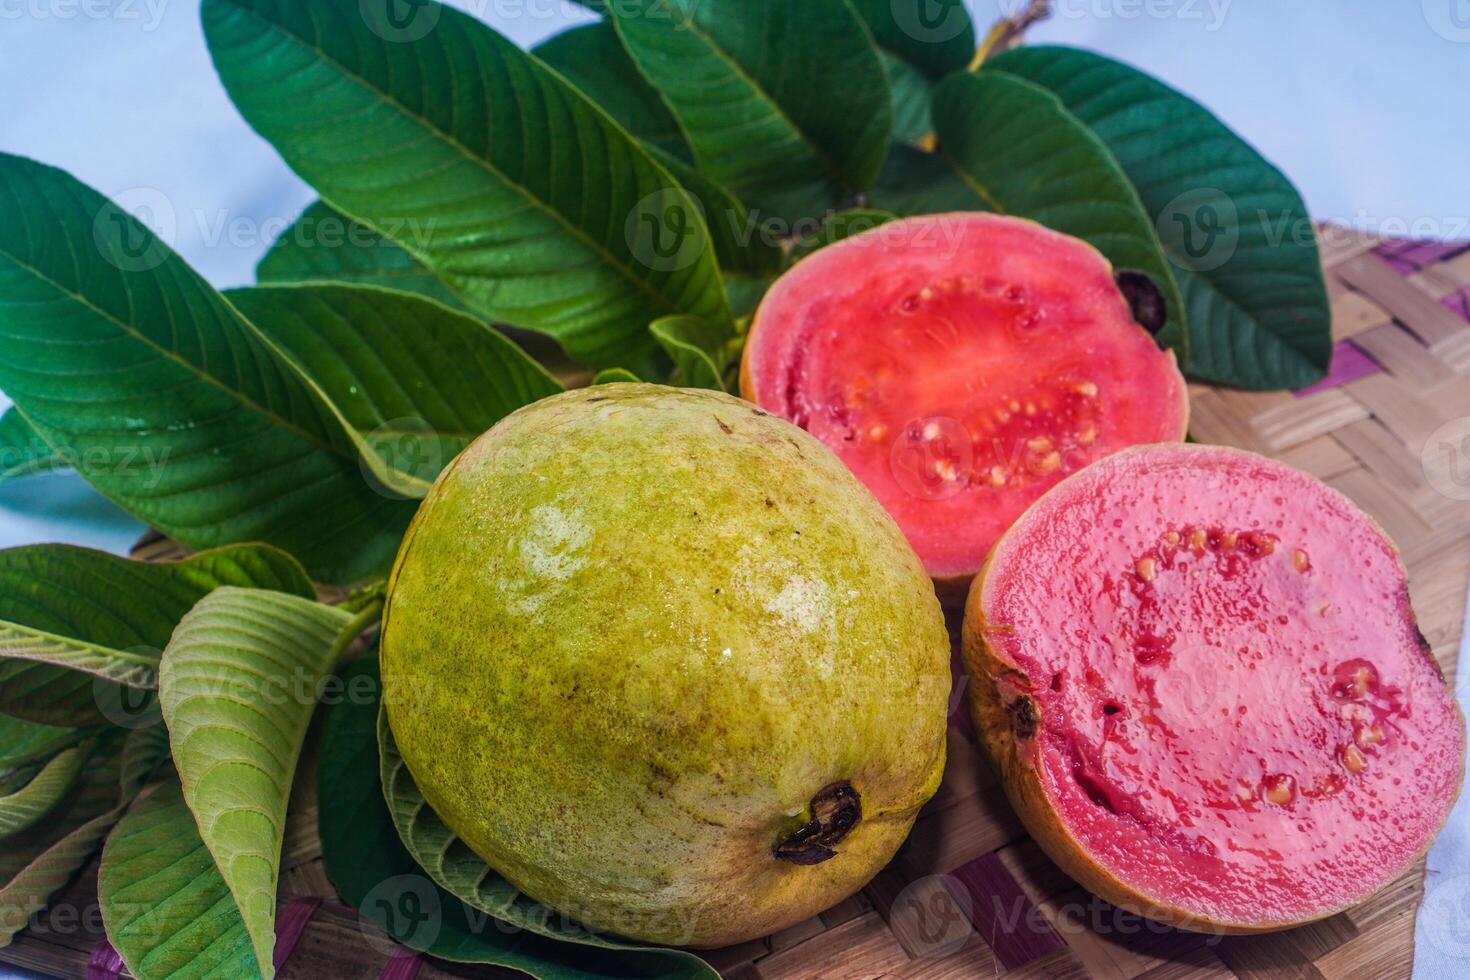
(1005, 918)
(104, 963)
(1459, 303)
(291, 924)
(1407, 256)
(404, 965)
(1349, 363)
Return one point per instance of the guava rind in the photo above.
(633, 633)
(965, 319)
(1339, 847)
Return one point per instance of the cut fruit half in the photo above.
(1199, 676)
(961, 365)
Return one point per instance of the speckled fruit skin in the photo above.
(1010, 713)
(633, 632)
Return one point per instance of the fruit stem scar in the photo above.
(836, 809)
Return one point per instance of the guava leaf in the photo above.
(1020, 151)
(162, 395)
(935, 36)
(238, 685)
(529, 197)
(167, 910)
(917, 182)
(615, 376)
(1235, 228)
(461, 872)
(843, 224)
(593, 59)
(698, 349)
(37, 862)
(373, 872)
(786, 104)
(24, 806)
(137, 669)
(114, 603)
(22, 450)
(22, 741)
(412, 380)
(912, 92)
(324, 245)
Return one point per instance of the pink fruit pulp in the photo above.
(1236, 715)
(961, 365)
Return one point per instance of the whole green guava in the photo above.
(665, 664)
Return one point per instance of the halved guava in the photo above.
(1199, 676)
(961, 365)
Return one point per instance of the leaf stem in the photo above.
(365, 618)
(1008, 30)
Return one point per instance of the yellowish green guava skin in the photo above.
(633, 631)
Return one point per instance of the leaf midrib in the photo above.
(364, 83)
(130, 330)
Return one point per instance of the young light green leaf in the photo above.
(162, 395)
(934, 36)
(458, 870)
(238, 685)
(1237, 231)
(791, 135)
(616, 376)
(1019, 150)
(698, 350)
(412, 380)
(22, 450)
(24, 806)
(36, 863)
(324, 245)
(531, 199)
(22, 741)
(167, 910)
(118, 604)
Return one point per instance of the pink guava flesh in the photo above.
(1235, 713)
(961, 365)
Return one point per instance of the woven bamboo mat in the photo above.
(970, 895)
